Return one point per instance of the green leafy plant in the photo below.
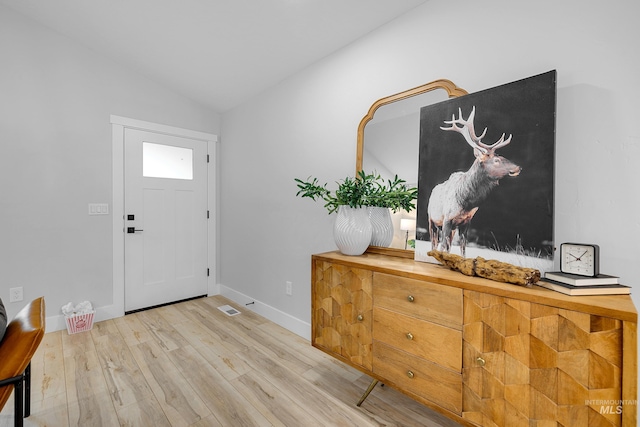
(363, 190)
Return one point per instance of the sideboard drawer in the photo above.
(435, 343)
(428, 301)
(425, 380)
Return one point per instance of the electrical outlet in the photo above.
(289, 288)
(15, 294)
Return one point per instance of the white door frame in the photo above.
(118, 125)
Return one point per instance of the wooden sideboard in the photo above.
(480, 352)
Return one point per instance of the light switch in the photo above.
(98, 209)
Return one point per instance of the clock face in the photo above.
(581, 259)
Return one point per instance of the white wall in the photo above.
(56, 99)
(307, 126)
(55, 141)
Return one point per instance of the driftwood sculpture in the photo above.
(489, 269)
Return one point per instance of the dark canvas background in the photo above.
(520, 209)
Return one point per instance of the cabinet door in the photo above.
(342, 307)
(525, 362)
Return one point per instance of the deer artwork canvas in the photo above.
(486, 174)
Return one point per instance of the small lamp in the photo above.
(407, 224)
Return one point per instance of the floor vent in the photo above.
(230, 311)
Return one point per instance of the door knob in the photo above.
(131, 230)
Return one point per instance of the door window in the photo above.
(166, 161)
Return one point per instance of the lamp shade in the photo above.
(407, 224)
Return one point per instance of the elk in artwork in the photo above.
(454, 202)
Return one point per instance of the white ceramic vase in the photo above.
(382, 227)
(352, 230)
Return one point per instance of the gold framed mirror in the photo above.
(388, 141)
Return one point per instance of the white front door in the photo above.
(165, 218)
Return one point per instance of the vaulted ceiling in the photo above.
(217, 52)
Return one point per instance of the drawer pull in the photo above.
(480, 361)
(410, 298)
(409, 336)
(410, 374)
(360, 317)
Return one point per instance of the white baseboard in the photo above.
(281, 318)
(213, 289)
(57, 323)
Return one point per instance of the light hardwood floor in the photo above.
(189, 364)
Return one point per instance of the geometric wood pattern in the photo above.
(479, 352)
(528, 364)
(342, 307)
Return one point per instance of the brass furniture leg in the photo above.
(366, 393)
